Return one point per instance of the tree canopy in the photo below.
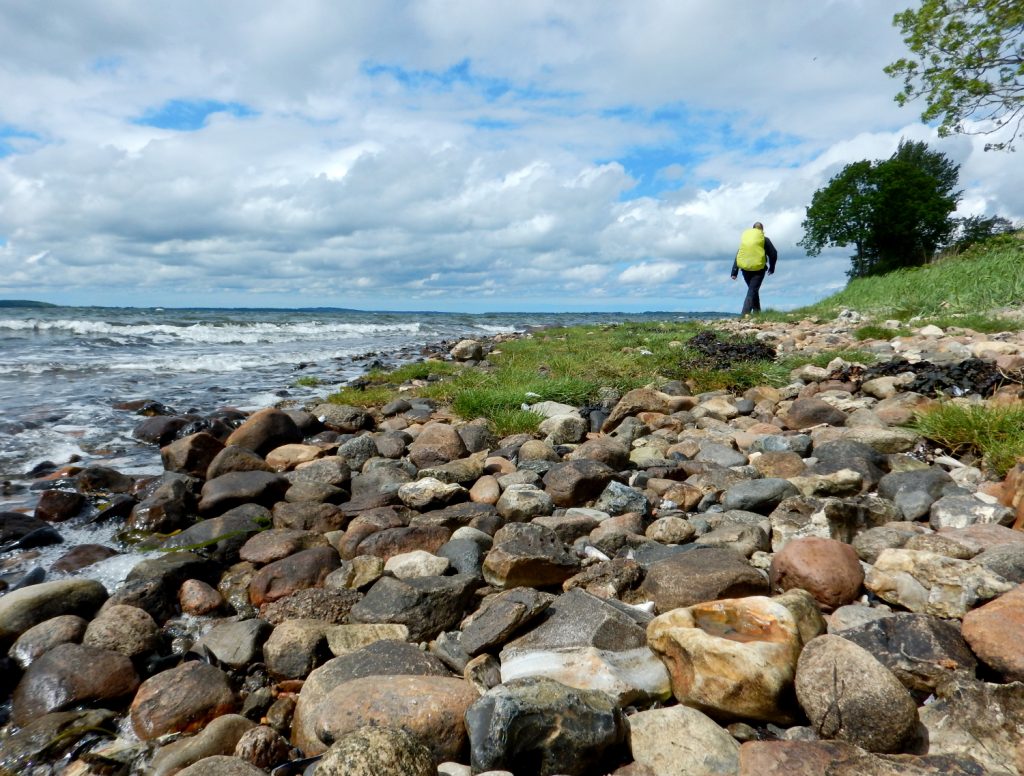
(969, 65)
(895, 212)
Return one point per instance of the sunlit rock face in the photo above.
(736, 658)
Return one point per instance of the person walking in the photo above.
(755, 257)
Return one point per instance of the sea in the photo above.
(64, 369)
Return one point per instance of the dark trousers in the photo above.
(753, 278)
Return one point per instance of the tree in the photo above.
(975, 229)
(969, 65)
(895, 212)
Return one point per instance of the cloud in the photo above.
(451, 155)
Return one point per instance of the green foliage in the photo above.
(895, 212)
(985, 277)
(980, 322)
(995, 433)
(875, 332)
(972, 230)
(968, 65)
(309, 381)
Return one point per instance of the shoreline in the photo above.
(484, 570)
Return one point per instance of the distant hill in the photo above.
(24, 303)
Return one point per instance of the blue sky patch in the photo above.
(9, 137)
(190, 115)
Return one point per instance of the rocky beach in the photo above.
(788, 580)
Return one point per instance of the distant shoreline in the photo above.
(25, 303)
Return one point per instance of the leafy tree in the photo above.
(975, 229)
(969, 65)
(895, 212)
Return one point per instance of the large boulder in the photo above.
(21, 609)
(182, 699)
(264, 430)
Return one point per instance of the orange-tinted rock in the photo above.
(828, 569)
(995, 633)
(283, 577)
(182, 699)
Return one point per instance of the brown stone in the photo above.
(182, 699)
(701, 574)
(69, 675)
(995, 633)
(235, 459)
(56, 506)
(81, 556)
(307, 568)
(309, 516)
(277, 543)
(436, 444)
(198, 598)
(365, 524)
(827, 569)
(436, 717)
(576, 482)
(606, 450)
(41, 638)
(805, 413)
(125, 629)
(286, 457)
(395, 541)
(779, 464)
(191, 455)
(264, 430)
(637, 401)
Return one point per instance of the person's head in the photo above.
(758, 225)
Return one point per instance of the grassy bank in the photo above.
(987, 277)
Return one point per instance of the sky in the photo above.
(470, 155)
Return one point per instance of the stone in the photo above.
(735, 658)
(342, 418)
(426, 605)
(125, 629)
(636, 401)
(462, 471)
(330, 470)
(680, 741)
(619, 499)
(318, 517)
(277, 543)
(519, 503)
(500, 616)
(701, 574)
(921, 650)
(168, 508)
(607, 579)
(57, 505)
(221, 765)
(218, 738)
(977, 719)
(485, 490)
(436, 444)
(378, 658)
(827, 569)
(82, 556)
(235, 459)
(264, 430)
(564, 429)
(307, 568)
(761, 496)
(417, 563)
(50, 737)
(21, 609)
(430, 707)
(813, 758)
(236, 488)
(723, 455)
(295, 647)
(607, 450)
(670, 530)
(539, 726)
(528, 554)
(995, 633)
(431, 493)
(183, 699)
(287, 457)
(927, 583)
(235, 644)
(222, 537)
(191, 455)
(69, 675)
(331, 605)
(962, 511)
(884, 440)
(848, 695)
(467, 350)
(397, 541)
(744, 539)
(914, 492)
(810, 412)
(263, 747)
(41, 638)
(377, 751)
(573, 483)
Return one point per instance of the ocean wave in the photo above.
(207, 333)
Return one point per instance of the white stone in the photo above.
(680, 741)
(417, 563)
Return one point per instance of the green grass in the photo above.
(979, 322)
(307, 382)
(986, 277)
(876, 332)
(995, 433)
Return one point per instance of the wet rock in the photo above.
(50, 737)
(262, 746)
(318, 492)
(56, 506)
(218, 738)
(995, 632)
(160, 429)
(681, 740)
(168, 508)
(264, 430)
(125, 629)
(221, 765)
(932, 584)
(379, 658)
(827, 569)
(69, 675)
(182, 699)
(527, 554)
(735, 658)
(848, 695)
(377, 751)
(700, 574)
(82, 556)
(426, 605)
(436, 716)
(920, 650)
(236, 488)
(191, 455)
(235, 644)
(41, 638)
(307, 568)
(21, 609)
(153, 584)
(312, 516)
(222, 537)
(542, 727)
(235, 459)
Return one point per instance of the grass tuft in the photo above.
(993, 432)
